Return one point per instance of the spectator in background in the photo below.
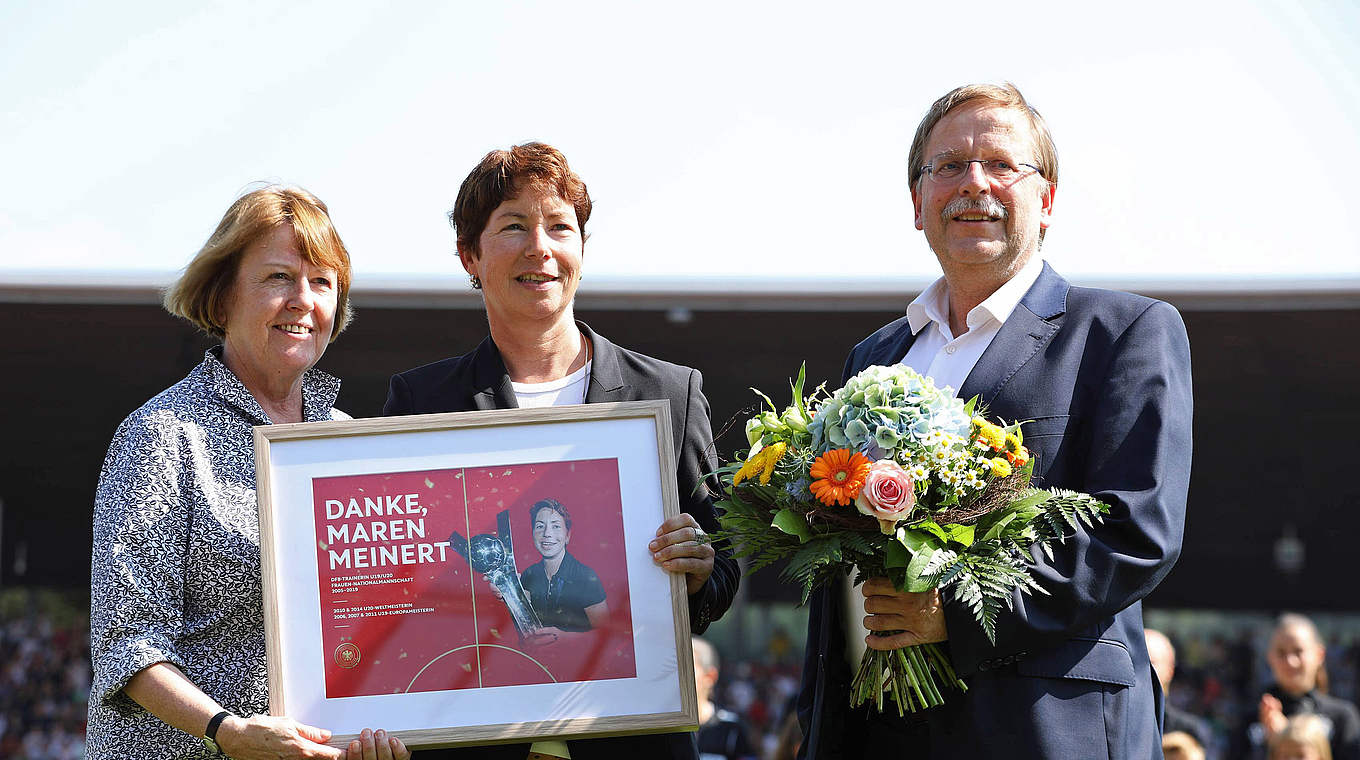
(42, 706)
(1163, 657)
(1178, 745)
(1295, 656)
(721, 733)
(1304, 737)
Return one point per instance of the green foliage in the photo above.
(770, 403)
(796, 387)
(1009, 527)
(815, 564)
(916, 578)
(917, 538)
(827, 556)
(767, 526)
(932, 528)
(868, 544)
(963, 535)
(793, 523)
(897, 555)
(981, 570)
(745, 516)
(971, 408)
(1063, 514)
(983, 582)
(985, 575)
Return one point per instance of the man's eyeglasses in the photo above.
(999, 169)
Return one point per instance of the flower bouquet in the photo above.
(893, 477)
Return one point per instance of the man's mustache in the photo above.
(983, 205)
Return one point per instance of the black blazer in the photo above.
(478, 380)
(1105, 377)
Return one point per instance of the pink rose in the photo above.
(888, 494)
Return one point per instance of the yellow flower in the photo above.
(762, 464)
(1012, 442)
(993, 435)
(748, 468)
(773, 453)
(1000, 468)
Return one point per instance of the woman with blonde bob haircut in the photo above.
(197, 295)
(176, 598)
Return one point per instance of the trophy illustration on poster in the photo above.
(493, 555)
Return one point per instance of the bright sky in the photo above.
(718, 138)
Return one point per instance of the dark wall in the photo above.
(1277, 409)
(1276, 397)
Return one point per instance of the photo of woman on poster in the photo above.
(567, 595)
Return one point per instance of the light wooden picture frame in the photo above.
(401, 589)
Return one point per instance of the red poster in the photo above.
(471, 577)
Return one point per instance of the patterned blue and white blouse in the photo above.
(175, 575)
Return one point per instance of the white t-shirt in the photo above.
(568, 390)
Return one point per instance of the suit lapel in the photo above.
(888, 350)
(606, 377)
(1028, 329)
(490, 380)
(893, 350)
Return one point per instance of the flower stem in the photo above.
(936, 698)
(908, 666)
(913, 678)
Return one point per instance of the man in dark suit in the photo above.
(1104, 378)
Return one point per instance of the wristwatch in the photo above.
(210, 733)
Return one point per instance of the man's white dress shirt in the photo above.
(947, 359)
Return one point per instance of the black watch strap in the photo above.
(210, 733)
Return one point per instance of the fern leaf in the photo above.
(814, 563)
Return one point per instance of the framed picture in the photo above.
(475, 577)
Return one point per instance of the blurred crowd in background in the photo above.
(1221, 672)
(44, 675)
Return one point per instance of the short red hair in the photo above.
(502, 175)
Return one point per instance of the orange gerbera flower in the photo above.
(838, 476)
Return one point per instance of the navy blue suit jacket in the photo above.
(478, 380)
(1105, 378)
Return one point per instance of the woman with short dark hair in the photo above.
(520, 220)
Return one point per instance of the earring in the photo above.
(476, 283)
